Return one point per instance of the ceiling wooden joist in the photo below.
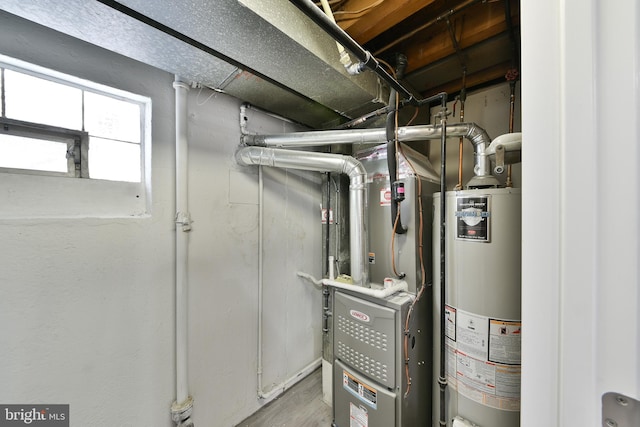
(486, 32)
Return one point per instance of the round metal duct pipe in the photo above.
(324, 162)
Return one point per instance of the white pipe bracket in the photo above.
(184, 219)
(181, 412)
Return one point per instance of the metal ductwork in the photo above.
(324, 162)
(471, 131)
(227, 45)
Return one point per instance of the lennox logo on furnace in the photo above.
(359, 315)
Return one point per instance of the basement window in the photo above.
(70, 147)
(59, 125)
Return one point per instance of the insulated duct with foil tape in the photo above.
(325, 162)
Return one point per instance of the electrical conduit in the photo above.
(183, 405)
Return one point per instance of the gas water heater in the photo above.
(382, 364)
(482, 307)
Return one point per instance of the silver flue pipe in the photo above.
(325, 162)
(471, 131)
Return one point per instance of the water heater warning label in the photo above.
(505, 341)
(473, 218)
(483, 364)
(450, 322)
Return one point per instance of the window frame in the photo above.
(78, 156)
(77, 146)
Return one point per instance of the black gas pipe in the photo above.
(397, 187)
(366, 58)
(442, 380)
(368, 61)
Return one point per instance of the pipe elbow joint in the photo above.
(478, 136)
(351, 68)
(242, 156)
(355, 69)
(354, 170)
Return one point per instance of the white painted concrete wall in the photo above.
(581, 216)
(223, 265)
(87, 304)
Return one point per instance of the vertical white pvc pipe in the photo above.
(261, 394)
(327, 10)
(182, 241)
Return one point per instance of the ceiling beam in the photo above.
(367, 25)
(491, 74)
(472, 27)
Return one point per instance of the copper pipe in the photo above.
(460, 151)
(512, 75)
(512, 109)
(463, 96)
(460, 154)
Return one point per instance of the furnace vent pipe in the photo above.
(324, 162)
(471, 131)
(474, 133)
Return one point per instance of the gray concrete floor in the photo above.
(300, 406)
